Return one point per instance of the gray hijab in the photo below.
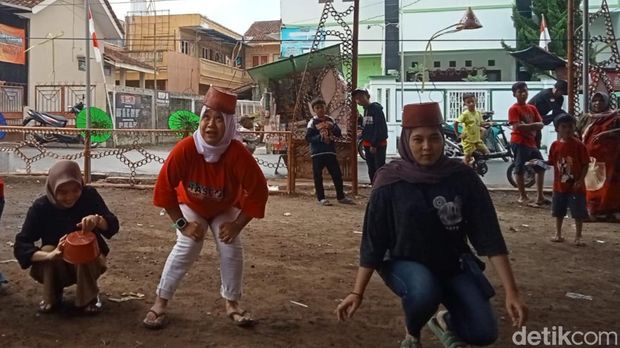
(60, 173)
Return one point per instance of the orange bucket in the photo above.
(79, 248)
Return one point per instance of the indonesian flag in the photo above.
(93, 36)
(545, 38)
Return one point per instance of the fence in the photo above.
(133, 157)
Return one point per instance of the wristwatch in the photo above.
(180, 224)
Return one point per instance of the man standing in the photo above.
(374, 134)
(549, 100)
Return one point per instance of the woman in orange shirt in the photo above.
(209, 181)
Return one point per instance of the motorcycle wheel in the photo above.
(360, 150)
(529, 176)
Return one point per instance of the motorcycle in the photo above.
(360, 144)
(44, 119)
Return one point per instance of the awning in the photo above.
(213, 34)
(539, 58)
(287, 66)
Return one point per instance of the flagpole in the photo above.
(87, 169)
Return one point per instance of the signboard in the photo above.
(132, 111)
(163, 98)
(296, 41)
(12, 45)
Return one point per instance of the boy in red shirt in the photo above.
(525, 121)
(569, 158)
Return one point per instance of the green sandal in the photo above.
(410, 342)
(447, 338)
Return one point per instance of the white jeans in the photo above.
(186, 251)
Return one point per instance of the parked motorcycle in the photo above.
(44, 119)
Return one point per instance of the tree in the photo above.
(528, 27)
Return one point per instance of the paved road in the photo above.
(9, 162)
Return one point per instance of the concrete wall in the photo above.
(66, 52)
(183, 73)
(271, 51)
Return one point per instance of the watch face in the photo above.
(181, 223)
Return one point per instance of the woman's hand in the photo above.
(54, 254)
(229, 231)
(347, 308)
(516, 309)
(89, 223)
(194, 230)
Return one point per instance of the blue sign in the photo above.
(296, 41)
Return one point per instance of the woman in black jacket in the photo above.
(67, 206)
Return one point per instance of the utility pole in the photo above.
(87, 169)
(353, 123)
(586, 56)
(570, 52)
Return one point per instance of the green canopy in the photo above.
(287, 66)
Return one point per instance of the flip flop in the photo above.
(447, 338)
(47, 308)
(94, 307)
(536, 205)
(579, 243)
(244, 321)
(158, 323)
(410, 342)
(557, 240)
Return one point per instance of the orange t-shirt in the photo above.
(523, 114)
(568, 159)
(211, 188)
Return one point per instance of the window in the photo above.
(491, 62)
(81, 63)
(205, 53)
(185, 47)
(468, 63)
(264, 60)
(437, 64)
(255, 61)
(414, 64)
(107, 69)
(453, 63)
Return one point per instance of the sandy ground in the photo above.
(309, 257)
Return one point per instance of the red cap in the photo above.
(422, 115)
(220, 100)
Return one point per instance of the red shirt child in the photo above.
(523, 114)
(568, 157)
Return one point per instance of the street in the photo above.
(112, 166)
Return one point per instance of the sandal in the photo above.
(94, 307)
(557, 239)
(410, 342)
(47, 308)
(158, 323)
(579, 243)
(447, 338)
(244, 321)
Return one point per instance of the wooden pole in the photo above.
(353, 121)
(570, 53)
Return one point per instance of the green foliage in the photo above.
(528, 31)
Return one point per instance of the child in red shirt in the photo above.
(569, 158)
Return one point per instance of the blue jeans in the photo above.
(470, 314)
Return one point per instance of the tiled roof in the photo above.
(264, 31)
(117, 54)
(23, 3)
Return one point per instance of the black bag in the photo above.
(471, 265)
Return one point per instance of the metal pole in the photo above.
(87, 169)
(353, 122)
(402, 55)
(586, 57)
(570, 53)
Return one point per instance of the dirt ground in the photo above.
(309, 257)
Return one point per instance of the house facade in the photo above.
(262, 43)
(190, 53)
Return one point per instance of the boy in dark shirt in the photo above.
(569, 158)
(321, 133)
(374, 134)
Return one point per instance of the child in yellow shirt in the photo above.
(472, 121)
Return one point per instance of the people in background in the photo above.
(374, 132)
(472, 123)
(549, 103)
(321, 134)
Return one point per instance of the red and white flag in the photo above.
(93, 36)
(545, 38)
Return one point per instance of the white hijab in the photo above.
(212, 153)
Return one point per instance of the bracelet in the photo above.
(357, 294)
